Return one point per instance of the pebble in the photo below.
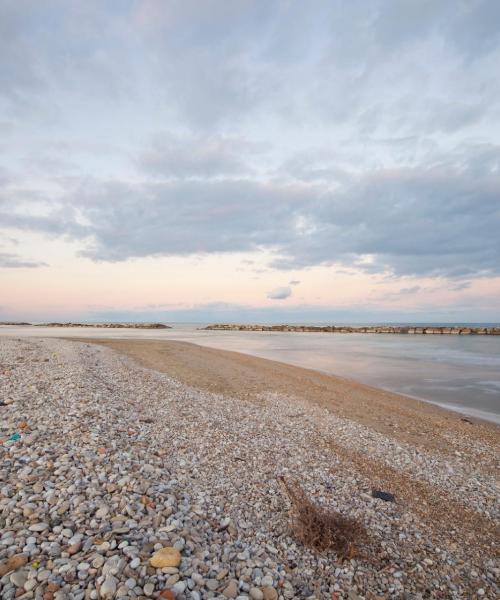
(231, 591)
(166, 557)
(18, 578)
(38, 527)
(149, 588)
(108, 588)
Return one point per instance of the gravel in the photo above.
(115, 462)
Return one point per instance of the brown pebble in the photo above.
(269, 593)
(74, 548)
(13, 563)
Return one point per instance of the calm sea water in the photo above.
(459, 372)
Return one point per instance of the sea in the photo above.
(461, 373)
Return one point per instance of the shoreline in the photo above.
(229, 372)
(181, 445)
(463, 405)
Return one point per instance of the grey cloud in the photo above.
(294, 282)
(384, 89)
(280, 293)
(459, 286)
(410, 290)
(187, 217)
(434, 221)
(187, 156)
(13, 261)
(439, 220)
(214, 64)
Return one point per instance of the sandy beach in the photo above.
(116, 448)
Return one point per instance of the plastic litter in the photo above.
(14, 437)
(383, 496)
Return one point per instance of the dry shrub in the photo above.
(322, 528)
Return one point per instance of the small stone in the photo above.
(98, 561)
(256, 594)
(13, 563)
(18, 578)
(108, 588)
(30, 585)
(231, 591)
(166, 557)
(101, 512)
(43, 575)
(212, 584)
(169, 595)
(179, 588)
(269, 593)
(39, 527)
(74, 548)
(148, 589)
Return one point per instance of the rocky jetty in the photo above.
(427, 330)
(109, 325)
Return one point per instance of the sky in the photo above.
(250, 160)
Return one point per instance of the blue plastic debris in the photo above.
(14, 437)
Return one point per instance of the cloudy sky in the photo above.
(250, 160)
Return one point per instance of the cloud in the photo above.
(294, 282)
(13, 261)
(213, 156)
(212, 66)
(369, 158)
(409, 291)
(280, 293)
(438, 220)
(459, 286)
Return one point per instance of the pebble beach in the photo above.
(121, 479)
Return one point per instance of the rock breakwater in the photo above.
(109, 325)
(398, 329)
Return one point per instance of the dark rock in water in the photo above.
(383, 495)
(466, 420)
